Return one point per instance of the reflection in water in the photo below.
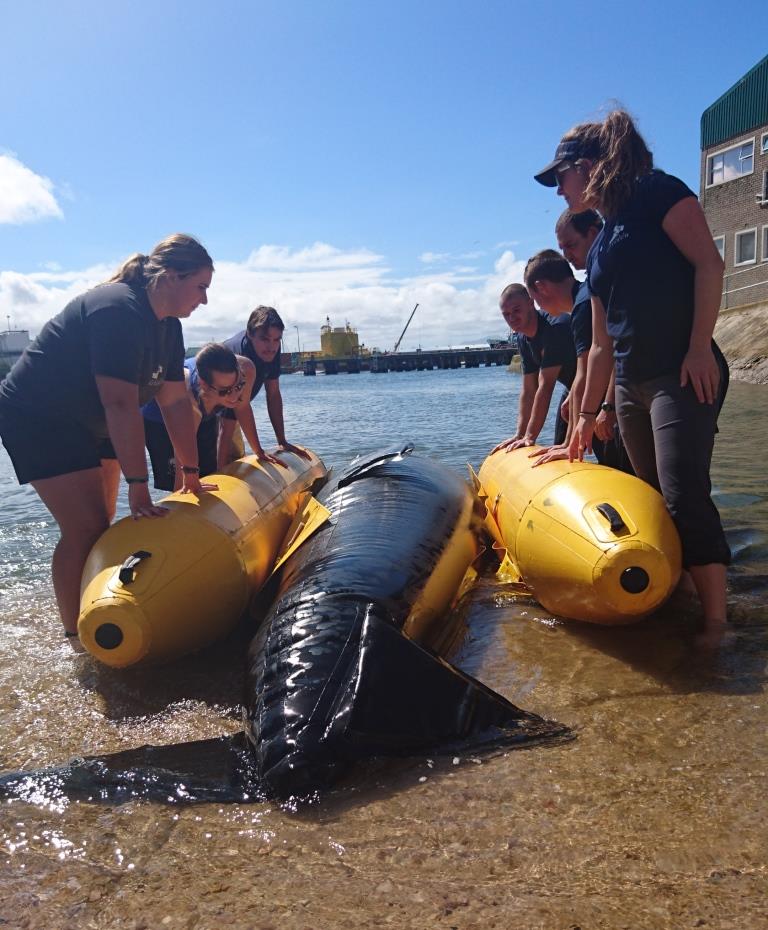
(652, 818)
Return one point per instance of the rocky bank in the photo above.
(742, 334)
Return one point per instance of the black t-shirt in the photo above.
(110, 331)
(581, 318)
(265, 371)
(645, 283)
(551, 347)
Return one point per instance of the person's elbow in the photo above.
(120, 406)
(712, 264)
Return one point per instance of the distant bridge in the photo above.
(425, 360)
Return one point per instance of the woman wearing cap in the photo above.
(80, 386)
(656, 279)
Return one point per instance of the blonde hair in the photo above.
(177, 252)
(622, 158)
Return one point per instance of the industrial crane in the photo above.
(397, 344)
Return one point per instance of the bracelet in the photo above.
(190, 469)
(69, 635)
(141, 480)
(587, 413)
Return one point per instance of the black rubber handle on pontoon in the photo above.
(127, 573)
(613, 517)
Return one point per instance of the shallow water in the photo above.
(652, 818)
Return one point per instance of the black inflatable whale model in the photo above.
(347, 663)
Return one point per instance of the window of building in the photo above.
(746, 247)
(764, 143)
(720, 245)
(765, 243)
(731, 164)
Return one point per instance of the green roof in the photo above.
(740, 109)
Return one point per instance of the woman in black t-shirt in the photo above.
(69, 408)
(656, 279)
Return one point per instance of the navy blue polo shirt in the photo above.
(645, 282)
(581, 318)
(265, 371)
(550, 347)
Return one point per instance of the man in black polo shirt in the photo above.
(551, 282)
(260, 342)
(546, 356)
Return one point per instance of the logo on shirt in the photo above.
(157, 375)
(618, 235)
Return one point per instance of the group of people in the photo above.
(631, 344)
(107, 375)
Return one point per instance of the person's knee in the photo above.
(83, 532)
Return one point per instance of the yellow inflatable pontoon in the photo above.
(591, 543)
(159, 588)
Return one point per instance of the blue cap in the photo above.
(569, 150)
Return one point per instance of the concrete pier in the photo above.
(429, 360)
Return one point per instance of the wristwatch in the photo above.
(607, 407)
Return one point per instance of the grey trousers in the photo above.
(669, 438)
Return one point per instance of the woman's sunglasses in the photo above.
(233, 389)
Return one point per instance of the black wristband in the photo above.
(138, 480)
(607, 406)
(190, 469)
(70, 635)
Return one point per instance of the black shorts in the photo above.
(44, 446)
(161, 451)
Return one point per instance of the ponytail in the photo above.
(623, 158)
(178, 252)
(131, 271)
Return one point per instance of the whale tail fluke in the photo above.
(212, 770)
(434, 705)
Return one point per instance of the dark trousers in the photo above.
(561, 425)
(612, 453)
(669, 437)
(161, 451)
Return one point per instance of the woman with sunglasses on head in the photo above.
(70, 407)
(656, 279)
(217, 381)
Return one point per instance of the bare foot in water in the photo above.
(711, 637)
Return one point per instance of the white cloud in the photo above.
(320, 256)
(434, 258)
(441, 258)
(25, 197)
(457, 306)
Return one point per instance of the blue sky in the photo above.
(336, 158)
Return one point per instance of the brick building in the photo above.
(734, 184)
